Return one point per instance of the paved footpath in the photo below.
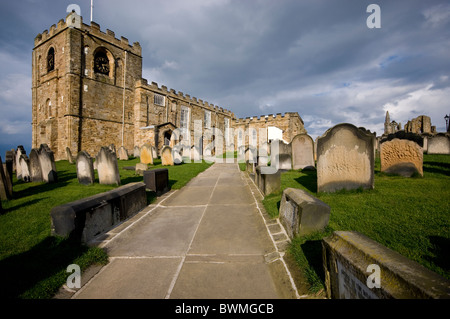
(210, 239)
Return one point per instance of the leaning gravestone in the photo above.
(302, 152)
(20, 150)
(146, 154)
(439, 144)
(5, 186)
(85, 168)
(24, 166)
(69, 156)
(345, 159)
(107, 167)
(48, 166)
(35, 166)
(123, 154)
(166, 156)
(401, 157)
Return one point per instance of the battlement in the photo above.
(172, 94)
(73, 20)
(267, 118)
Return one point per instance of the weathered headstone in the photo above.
(112, 148)
(48, 166)
(20, 150)
(157, 180)
(195, 153)
(123, 154)
(439, 144)
(154, 153)
(357, 267)
(167, 156)
(107, 167)
(345, 159)
(9, 185)
(5, 186)
(177, 152)
(9, 161)
(69, 156)
(146, 154)
(401, 157)
(302, 214)
(24, 166)
(140, 168)
(284, 155)
(85, 168)
(302, 152)
(35, 166)
(136, 151)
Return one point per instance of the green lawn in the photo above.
(32, 262)
(408, 215)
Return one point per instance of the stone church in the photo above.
(88, 92)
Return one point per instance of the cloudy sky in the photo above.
(258, 57)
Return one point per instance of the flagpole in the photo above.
(92, 8)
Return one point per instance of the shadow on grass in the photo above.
(441, 247)
(23, 271)
(437, 168)
(308, 180)
(30, 202)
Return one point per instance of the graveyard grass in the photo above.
(32, 262)
(408, 215)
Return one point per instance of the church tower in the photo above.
(83, 87)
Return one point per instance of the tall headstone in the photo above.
(20, 150)
(345, 159)
(146, 154)
(9, 161)
(401, 157)
(24, 166)
(85, 168)
(107, 167)
(48, 165)
(5, 186)
(35, 166)
(136, 151)
(69, 156)
(167, 156)
(439, 144)
(123, 153)
(154, 153)
(302, 151)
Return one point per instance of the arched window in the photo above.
(51, 60)
(101, 62)
(48, 108)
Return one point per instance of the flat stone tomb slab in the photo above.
(168, 232)
(133, 279)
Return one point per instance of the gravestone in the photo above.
(166, 156)
(9, 161)
(24, 167)
(112, 148)
(123, 154)
(439, 144)
(157, 180)
(302, 152)
(5, 186)
(107, 167)
(177, 156)
(8, 181)
(349, 259)
(136, 151)
(146, 154)
(284, 155)
(85, 168)
(140, 168)
(35, 166)
(48, 166)
(195, 153)
(302, 214)
(20, 150)
(69, 156)
(345, 159)
(154, 153)
(401, 157)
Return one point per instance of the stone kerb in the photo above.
(302, 214)
(166, 156)
(439, 144)
(302, 152)
(146, 154)
(35, 166)
(88, 217)
(85, 168)
(107, 167)
(401, 157)
(345, 159)
(349, 258)
(122, 153)
(48, 166)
